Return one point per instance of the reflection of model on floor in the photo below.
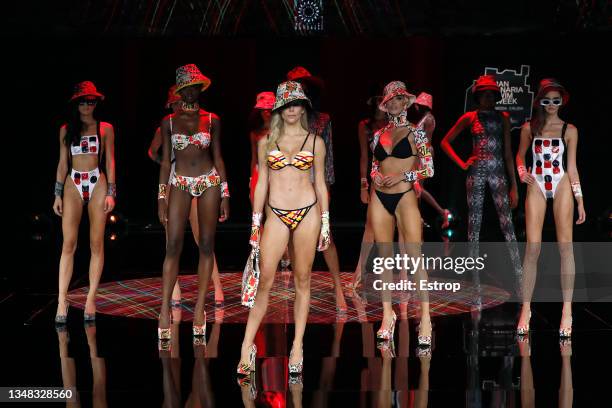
(98, 365)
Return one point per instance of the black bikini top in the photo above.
(402, 150)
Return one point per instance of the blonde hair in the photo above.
(277, 126)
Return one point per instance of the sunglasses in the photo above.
(549, 101)
(88, 102)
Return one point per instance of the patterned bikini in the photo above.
(85, 181)
(549, 156)
(303, 160)
(193, 185)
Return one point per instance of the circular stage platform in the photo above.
(140, 298)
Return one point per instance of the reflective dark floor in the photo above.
(476, 360)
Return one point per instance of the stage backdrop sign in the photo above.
(517, 97)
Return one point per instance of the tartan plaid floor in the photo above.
(140, 298)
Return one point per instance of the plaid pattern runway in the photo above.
(140, 298)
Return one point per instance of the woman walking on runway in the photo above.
(552, 174)
(397, 149)
(174, 103)
(296, 214)
(85, 143)
(199, 172)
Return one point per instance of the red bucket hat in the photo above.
(486, 83)
(551, 84)
(188, 75)
(85, 88)
(172, 97)
(265, 100)
(393, 89)
(424, 99)
(301, 74)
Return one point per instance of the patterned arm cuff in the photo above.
(59, 189)
(577, 189)
(425, 167)
(163, 192)
(224, 190)
(112, 190)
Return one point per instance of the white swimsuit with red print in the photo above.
(85, 181)
(548, 167)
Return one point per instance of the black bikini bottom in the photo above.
(390, 200)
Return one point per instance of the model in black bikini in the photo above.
(392, 204)
(301, 214)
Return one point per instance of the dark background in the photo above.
(131, 54)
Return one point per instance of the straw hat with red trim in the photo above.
(85, 88)
(393, 89)
(188, 75)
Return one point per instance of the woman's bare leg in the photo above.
(274, 240)
(97, 224)
(71, 218)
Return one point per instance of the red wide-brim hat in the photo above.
(487, 83)
(393, 89)
(551, 84)
(85, 88)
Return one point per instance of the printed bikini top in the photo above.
(303, 160)
(402, 150)
(200, 139)
(89, 144)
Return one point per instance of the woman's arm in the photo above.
(509, 161)
(220, 166)
(164, 171)
(260, 193)
(156, 142)
(61, 173)
(62, 165)
(460, 126)
(363, 160)
(572, 171)
(524, 173)
(109, 146)
(321, 192)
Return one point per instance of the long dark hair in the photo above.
(538, 118)
(74, 124)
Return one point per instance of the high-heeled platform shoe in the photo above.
(387, 334)
(244, 368)
(524, 329)
(566, 332)
(61, 319)
(424, 341)
(296, 369)
(175, 303)
(199, 330)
